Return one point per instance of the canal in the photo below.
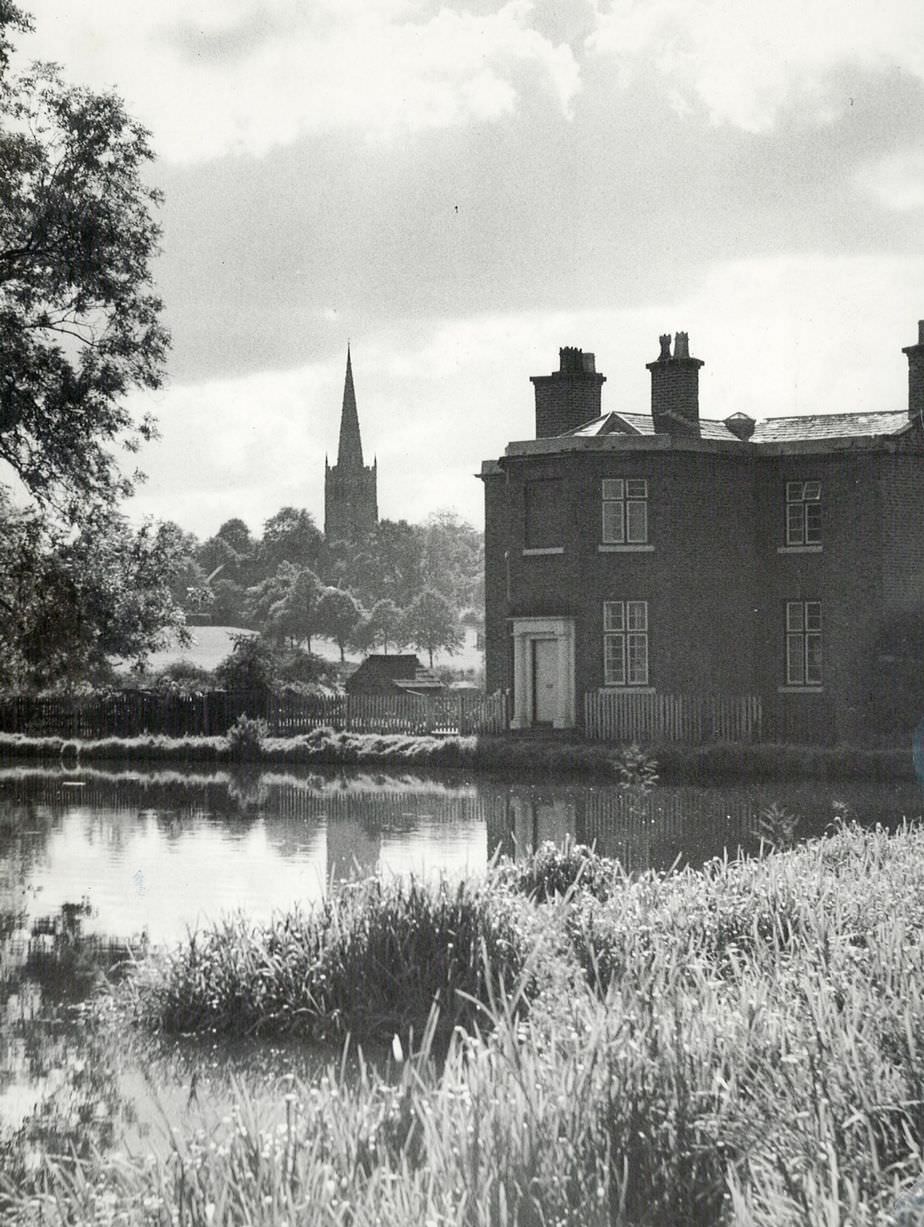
(96, 866)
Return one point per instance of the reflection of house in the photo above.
(353, 848)
(662, 553)
(380, 674)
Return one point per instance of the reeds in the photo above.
(372, 959)
(741, 1045)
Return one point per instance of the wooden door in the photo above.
(546, 698)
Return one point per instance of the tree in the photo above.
(384, 622)
(338, 613)
(70, 601)
(291, 535)
(296, 614)
(79, 323)
(429, 624)
(230, 553)
(262, 596)
(251, 665)
(227, 602)
(383, 564)
(452, 557)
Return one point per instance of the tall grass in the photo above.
(371, 959)
(738, 1046)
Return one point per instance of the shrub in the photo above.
(246, 737)
(552, 872)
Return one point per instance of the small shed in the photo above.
(398, 674)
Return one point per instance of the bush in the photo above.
(251, 665)
(183, 677)
(552, 872)
(246, 737)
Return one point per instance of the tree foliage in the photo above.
(430, 624)
(381, 627)
(291, 535)
(71, 600)
(338, 613)
(79, 322)
(251, 665)
(295, 615)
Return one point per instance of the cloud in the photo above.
(243, 77)
(896, 181)
(778, 335)
(744, 64)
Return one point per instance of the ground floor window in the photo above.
(625, 643)
(803, 643)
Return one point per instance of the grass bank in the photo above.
(741, 1045)
(713, 764)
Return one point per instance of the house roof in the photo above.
(831, 426)
(402, 671)
(810, 427)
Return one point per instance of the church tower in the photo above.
(350, 503)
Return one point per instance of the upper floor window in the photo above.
(544, 518)
(625, 643)
(625, 511)
(803, 513)
(803, 643)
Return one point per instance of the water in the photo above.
(96, 866)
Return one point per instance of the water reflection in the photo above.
(94, 865)
(157, 852)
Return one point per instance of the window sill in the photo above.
(627, 690)
(549, 549)
(799, 549)
(800, 689)
(625, 549)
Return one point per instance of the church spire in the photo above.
(350, 499)
(350, 454)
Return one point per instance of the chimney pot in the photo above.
(568, 397)
(675, 388)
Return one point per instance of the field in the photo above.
(734, 1046)
(211, 644)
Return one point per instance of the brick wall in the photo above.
(719, 574)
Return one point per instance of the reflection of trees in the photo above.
(67, 1065)
(247, 788)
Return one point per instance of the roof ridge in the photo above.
(824, 413)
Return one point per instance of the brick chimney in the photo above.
(675, 388)
(568, 397)
(915, 354)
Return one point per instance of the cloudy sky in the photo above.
(461, 187)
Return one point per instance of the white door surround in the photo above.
(558, 700)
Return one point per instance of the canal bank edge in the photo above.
(533, 757)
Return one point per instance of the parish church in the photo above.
(350, 497)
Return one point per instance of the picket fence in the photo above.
(692, 719)
(129, 713)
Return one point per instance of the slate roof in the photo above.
(831, 426)
(810, 427)
(392, 673)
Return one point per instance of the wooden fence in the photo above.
(692, 719)
(128, 713)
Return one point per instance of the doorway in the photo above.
(545, 681)
(543, 672)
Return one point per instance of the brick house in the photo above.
(663, 552)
